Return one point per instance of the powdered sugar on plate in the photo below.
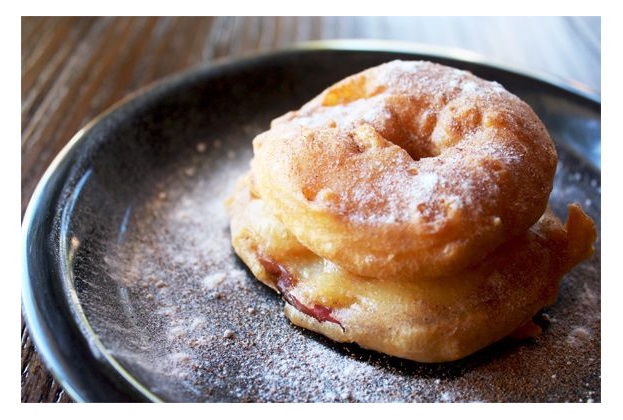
(198, 327)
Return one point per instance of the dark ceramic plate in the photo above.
(131, 290)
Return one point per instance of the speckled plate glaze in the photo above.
(132, 292)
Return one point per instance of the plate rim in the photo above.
(45, 341)
(461, 54)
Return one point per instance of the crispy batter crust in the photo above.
(430, 319)
(404, 209)
(437, 165)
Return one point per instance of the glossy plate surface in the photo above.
(132, 292)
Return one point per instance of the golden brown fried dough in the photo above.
(404, 209)
(428, 319)
(438, 166)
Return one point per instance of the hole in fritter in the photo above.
(410, 125)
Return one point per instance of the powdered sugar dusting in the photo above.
(210, 332)
(391, 201)
(425, 110)
(191, 324)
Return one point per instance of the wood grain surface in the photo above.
(74, 68)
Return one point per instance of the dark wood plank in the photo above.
(37, 383)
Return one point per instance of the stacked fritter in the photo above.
(404, 209)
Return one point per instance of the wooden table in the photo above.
(74, 68)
